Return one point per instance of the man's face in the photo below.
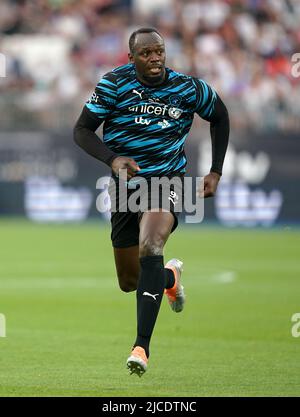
(149, 57)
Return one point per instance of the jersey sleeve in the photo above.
(103, 100)
(205, 99)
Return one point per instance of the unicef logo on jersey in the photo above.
(174, 112)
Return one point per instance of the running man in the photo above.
(147, 110)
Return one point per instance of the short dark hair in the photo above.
(136, 32)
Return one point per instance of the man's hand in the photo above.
(122, 162)
(210, 184)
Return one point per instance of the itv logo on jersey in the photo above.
(142, 121)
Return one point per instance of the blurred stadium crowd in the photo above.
(56, 50)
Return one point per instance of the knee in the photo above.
(127, 287)
(151, 245)
(127, 283)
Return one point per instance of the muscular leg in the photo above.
(154, 232)
(128, 267)
(155, 228)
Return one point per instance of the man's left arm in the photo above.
(219, 131)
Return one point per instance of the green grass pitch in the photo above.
(69, 328)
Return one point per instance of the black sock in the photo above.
(170, 279)
(149, 294)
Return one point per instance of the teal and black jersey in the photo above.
(150, 124)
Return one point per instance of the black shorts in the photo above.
(127, 211)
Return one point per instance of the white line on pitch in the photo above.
(57, 283)
(225, 277)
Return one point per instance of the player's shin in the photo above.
(149, 295)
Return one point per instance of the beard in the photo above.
(155, 79)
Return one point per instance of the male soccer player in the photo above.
(147, 110)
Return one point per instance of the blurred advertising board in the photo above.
(46, 177)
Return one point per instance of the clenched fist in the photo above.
(125, 163)
(210, 185)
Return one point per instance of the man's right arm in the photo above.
(86, 138)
